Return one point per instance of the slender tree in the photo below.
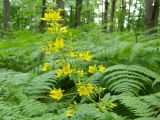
(151, 14)
(78, 12)
(6, 14)
(113, 3)
(122, 15)
(87, 11)
(42, 23)
(71, 18)
(102, 12)
(132, 18)
(106, 13)
(129, 15)
(140, 21)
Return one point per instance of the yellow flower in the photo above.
(70, 113)
(85, 90)
(90, 88)
(55, 16)
(67, 69)
(85, 56)
(82, 90)
(80, 73)
(59, 43)
(46, 17)
(63, 29)
(59, 73)
(56, 93)
(101, 69)
(92, 69)
(45, 67)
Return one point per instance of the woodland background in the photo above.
(124, 35)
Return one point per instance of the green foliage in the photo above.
(129, 80)
(118, 48)
(22, 53)
(132, 77)
(143, 106)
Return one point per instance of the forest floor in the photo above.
(23, 85)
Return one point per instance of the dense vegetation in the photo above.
(128, 89)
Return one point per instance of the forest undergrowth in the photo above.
(128, 89)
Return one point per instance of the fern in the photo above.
(129, 80)
(41, 85)
(143, 106)
(147, 118)
(17, 103)
(138, 107)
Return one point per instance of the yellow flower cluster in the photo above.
(59, 43)
(45, 67)
(80, 73)
(65, 71)
(53, 28)
(54, 46)
(85, 89)
(85, 56)
(56, 93)
(52, 16)
(93, 69)
(70, 112)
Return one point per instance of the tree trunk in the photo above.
(71, 18)
(140, 22)
(156, 11)
(102, 12)
(129, 15)
(42, 23)
(6, 15)
(60, 5)
(87, 12)
(106, 13)
(151, 14)
(78, 12)
(113, 3)
(122, 15)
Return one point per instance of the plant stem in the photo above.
(63, 56)
(95, 103)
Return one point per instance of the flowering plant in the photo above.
(64, 67)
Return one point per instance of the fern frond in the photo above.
(123, 79)
(147, 118)
(138, 107)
